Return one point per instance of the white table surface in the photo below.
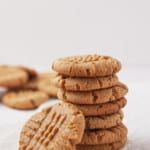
(136, 112)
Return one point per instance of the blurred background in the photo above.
(35, 32)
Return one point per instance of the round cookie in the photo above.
(11, 76)
(15, 76)
(87, 66)
(59, 127)
(95, 96)
(87, 84)
(103, 122)
(24, 99)
(105, 136)
(103, 109)
(111, 146)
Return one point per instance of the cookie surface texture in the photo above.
(87, 66)
(111, 135)
(87, 84)
(95, 96)
(103, 122)
(59, 127)
(111, 146)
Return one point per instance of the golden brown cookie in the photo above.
(103, 109)
(15, 76)
(87, 84)
(11, 76)
(59, 127)
(87, 66)
(24, 99)
(95, 96)
(103, 122)
(111, 146)
(105, 136)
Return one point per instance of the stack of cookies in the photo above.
(90, 83)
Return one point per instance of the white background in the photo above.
(34, 33)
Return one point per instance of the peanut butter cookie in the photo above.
(87, 66)
(59, 127)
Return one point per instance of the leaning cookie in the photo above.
(103, 109)
(87, 66)
(94, 97)
(59, 127)
(87, 84)
(24, 99)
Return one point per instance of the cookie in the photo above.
(87, 84)
(11, 76)
(105, 136)
(95, 96)
(59, 127)
(24, 99)
(111, 146)
(103, 109)
(87, 66)
(15, 76)
(103, 122)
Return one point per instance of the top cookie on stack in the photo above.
(87, 66)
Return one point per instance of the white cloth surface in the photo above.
(136, 112)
